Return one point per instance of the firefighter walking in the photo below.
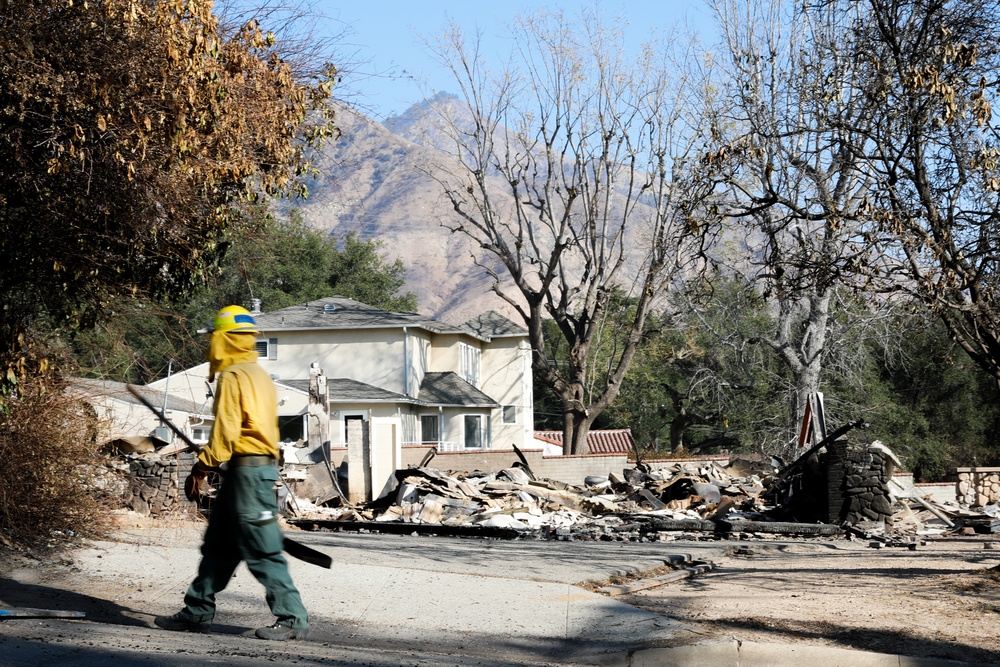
(243, 525)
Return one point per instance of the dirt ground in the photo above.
(942, 600)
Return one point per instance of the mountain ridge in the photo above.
(373, 182)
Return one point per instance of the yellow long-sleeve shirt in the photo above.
(246, 403)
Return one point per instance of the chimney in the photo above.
(255, 306)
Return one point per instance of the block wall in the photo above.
(977, 487)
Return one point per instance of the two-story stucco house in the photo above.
(401, 378)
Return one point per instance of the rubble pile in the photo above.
(835, 488)
(853, 485)
(840, 483)
(641, 503)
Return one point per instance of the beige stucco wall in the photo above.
(119, 419)
(339, 412)
(190, 385)
(420, 352)
(379, 357)
(291, 401)
(506, 375)
(387, 457)
(373, 356)
(444, 354)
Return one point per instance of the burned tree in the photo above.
(929, 72)
(788, 131)
(576, 173)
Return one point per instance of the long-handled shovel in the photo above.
(292, 548)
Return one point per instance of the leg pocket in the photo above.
(261, 539)
(258, 512)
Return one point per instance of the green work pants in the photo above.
(243, 526)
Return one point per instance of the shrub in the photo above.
(50, 466)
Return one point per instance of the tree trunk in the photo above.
(811, 349)
(576, 423)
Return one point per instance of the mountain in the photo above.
(372, 183)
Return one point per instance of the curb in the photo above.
(751, 654)
(696, 567)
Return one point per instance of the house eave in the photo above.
(264, 330)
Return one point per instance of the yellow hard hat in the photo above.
(235, 319)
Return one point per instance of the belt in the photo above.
(253, 460)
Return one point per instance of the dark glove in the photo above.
(194, 483)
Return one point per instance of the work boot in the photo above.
(180, 623)
(279, 632)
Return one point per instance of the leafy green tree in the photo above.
(285, 263)
(929, 401)
(700, 381)
(360, 272)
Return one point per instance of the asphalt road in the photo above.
(388, 600)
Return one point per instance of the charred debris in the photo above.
(833, 489)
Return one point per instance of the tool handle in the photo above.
(156, 411)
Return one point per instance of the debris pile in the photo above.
(833, 488)
(642, 503)
(840, 483)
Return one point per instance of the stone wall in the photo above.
(843, 484)
(866, 485)
(154, 484)
(977, 487)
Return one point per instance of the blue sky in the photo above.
(393, 70)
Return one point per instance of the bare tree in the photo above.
(788, 132)
(577, 174)
(930, 72)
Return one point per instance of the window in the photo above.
(200, 434)
(469, 364)
(293, 427)
(267, 348)
(473, 432)
(430, 429)
(509, 414)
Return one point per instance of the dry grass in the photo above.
(49, 465)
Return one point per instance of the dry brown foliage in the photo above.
(134, 136)
(50, 467)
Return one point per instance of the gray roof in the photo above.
(492, 324)
(345, 390)
(448, 388)
(337, 312)
(437, 389)
(297, 385)
(87, 387)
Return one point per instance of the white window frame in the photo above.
(470, 363)
(267, 348)
(480, 435)
(438, 425)
(504, 414)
